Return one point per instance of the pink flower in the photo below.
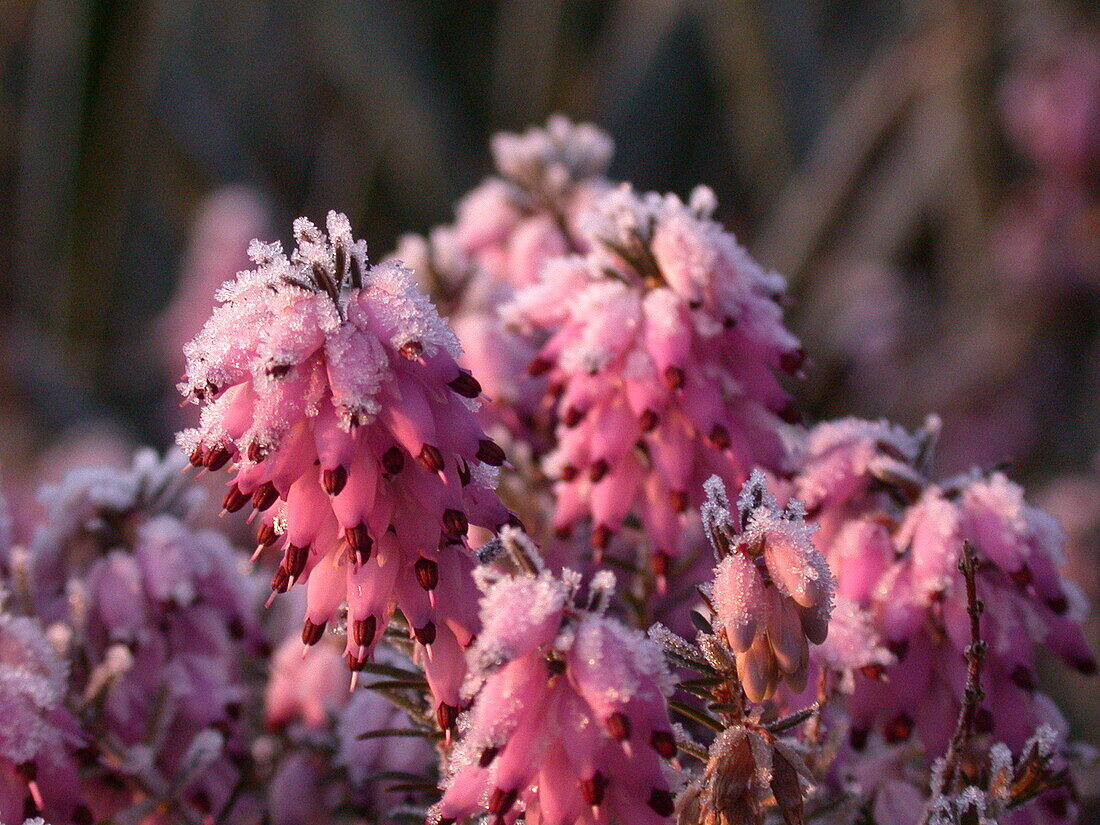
(895, 540)
(335, 392)
(568, 722)
(922, 607)
(772, 592)
(505, 231)
(662, 351)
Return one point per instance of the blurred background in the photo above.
(926, 173)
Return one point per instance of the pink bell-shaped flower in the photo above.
(334, 391)
(663, 344)
(568, 722)
(772, 592)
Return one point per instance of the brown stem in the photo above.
(975, 651)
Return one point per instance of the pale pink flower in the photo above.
(772, 592)
(335, 392)
(156, 617)
(568, 722)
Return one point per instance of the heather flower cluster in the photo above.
(896, 541)
(663, 344)
(505, 230)
(332, 390)
(568, 722)
(772, 590)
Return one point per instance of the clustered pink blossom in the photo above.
(333, 390)
(568, 723)
(772, 589)
(895, 540)
(153, 618)
(662, 352)
(505, 230)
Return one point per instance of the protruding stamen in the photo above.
(719, 437)
(296, 558)
(455, 523)
(592, 789)
(267, 535)
(664, 743)
(791, 362)
(661, 801)
(540, 366)
(426, 634)
(502, 801)
(363, 630)
(487, 757)
(446, 715)
(431, 458)
(234, 499)
(312, 633)
(280, 582)
(264, 496)
(393, 460)
(360, 542)
(601, 536)
(216, 458)
(618, 725)
(572, 417)
(464, 474)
